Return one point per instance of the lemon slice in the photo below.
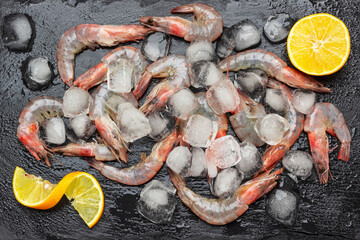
(82, 188)
(87, 198)
(319, 44)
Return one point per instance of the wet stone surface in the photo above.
(325, 211)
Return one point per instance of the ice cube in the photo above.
(246, 35)
(198, 162)
(132, 123)
(82, 126)
(182, 103)
(222, 97)
(200, 131)
(278, 27)
(76, 101)
(282, 206)
(226, 182)
(205, 74)
(162, 124)
(38, 73)
(224, 152)
(275, 101)
(55, 131)
(157, 201)
(226, 43)
(179, 160)
(156, 46)
(271, 128)
(250, 161)
(298, 163)
(200, 50)
(120, 75)
(17, 31)
(303, 100)
(252, 82)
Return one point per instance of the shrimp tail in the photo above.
(142, 85)
(259, 186)
(158, 97)
(92, 77)
(98, 165)
(295, 78)
(176, 179)
(344, 152)
(183, 9)
(171, 25)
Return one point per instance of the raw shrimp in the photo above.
(223, 211)
(325, 117)
(175, 69)
(99, 151)
(274, 154)
(244, 118)
(204, 110)
(77, 38)
(142, 172)
(98, 73)
(208, 24)
(273, 66)
(107, 128)
(34, 113)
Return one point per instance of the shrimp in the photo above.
(142, 172)
(244, 118)
(223, 211)
(273, 66)
(34, 113)
(107, 128)
(98, 73)
(274, 154)
(77, 38)
(99, 151)
(325, 117)
(208, 24)
(175, 69)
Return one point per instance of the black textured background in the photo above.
(328, 211)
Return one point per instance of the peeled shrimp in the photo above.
(174, 68)
(325, 117)
(223, 211)
(99, 151)
(77, 38)
(142, 172)
(207, 26)
(34, 113)
(273, 66)
(275, 153)
(98, 73)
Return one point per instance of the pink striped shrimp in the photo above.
(207, 26)
(34, 113)
(325, 117)
(83, 36)
(142, 172)
(273, 66)
(223, 211)
(98, 73)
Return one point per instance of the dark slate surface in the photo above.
(328, 211)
